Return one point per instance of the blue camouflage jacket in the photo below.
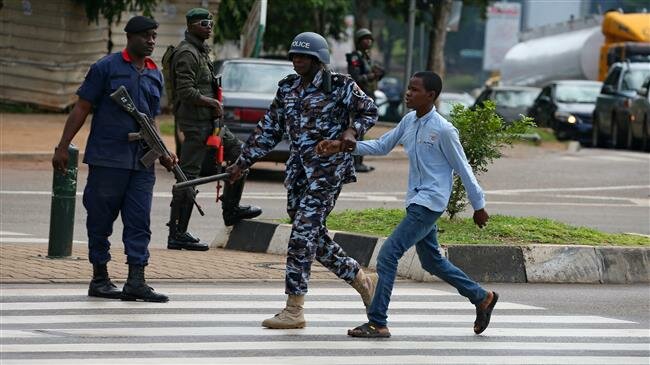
(309, 116)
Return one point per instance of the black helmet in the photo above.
(312, 44)
(363, 32)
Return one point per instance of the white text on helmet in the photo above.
(300, 44)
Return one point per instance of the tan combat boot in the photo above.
(365, 284)
(290, 317)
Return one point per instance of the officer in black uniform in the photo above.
(366, 74)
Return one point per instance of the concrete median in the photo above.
(486, 263)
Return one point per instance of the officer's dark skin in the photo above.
(205, 32)
(138, 46)
(307, 66)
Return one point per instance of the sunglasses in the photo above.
(205, 23)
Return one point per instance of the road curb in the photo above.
(485, 263)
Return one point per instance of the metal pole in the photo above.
(409, 45)
(64, 193)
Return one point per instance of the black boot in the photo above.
(359, 166)
(179, 238)
(136, 288)
(232, 211)
(101, 285)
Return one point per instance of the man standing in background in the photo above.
(196, 110)
(365, 74)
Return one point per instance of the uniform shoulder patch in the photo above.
(338, 80)
(289, 79)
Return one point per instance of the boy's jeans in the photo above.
(417, 228)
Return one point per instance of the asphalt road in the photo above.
(219, 323)
(604, 189)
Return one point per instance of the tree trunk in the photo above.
(438, 37)
(361, 14)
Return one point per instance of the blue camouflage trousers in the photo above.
(308, 206)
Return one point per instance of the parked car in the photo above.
(446, 102)
(249, 86)
(511, 101)
(567, 107)
(611, 115)
(638, 132)
(392, 88)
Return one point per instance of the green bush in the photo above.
(482, 134)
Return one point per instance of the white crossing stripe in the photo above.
(357, 360)
(328, 345)
(360, 317)
(321, 331)
(8, 233)
(43, 291)
(428, 329)
(253, 304)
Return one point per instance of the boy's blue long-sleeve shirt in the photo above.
(434, 152)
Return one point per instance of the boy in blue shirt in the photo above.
(434, 153)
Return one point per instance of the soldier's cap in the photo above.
(198, 14)
(139, 24)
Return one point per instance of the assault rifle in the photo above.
(149, 134)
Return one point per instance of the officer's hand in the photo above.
(348, 140)
(481, 217)
(235, 172)
(218, 109)
(169, 162)
(60, 160)
(328, 147)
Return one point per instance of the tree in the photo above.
(112, 10)
(438, 36)
(361, 10)
(322, 16)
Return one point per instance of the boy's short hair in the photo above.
(431, 81)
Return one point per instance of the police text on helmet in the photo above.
(300, 44)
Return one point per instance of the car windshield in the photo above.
(577, 93)
(445, 105)
(514, 98)
(633, 79)
(254, 77)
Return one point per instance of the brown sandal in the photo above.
(483, 315)
(369, 330)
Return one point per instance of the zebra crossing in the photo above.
(219, 323)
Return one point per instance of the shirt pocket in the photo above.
(120, 80)
(428, 146)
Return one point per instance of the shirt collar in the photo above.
(428, 115)
(316, 82)
(149, 64)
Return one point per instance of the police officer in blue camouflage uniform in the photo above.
(118, 183)
(311, 106)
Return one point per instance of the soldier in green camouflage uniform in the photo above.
(195, 111)
(366, 74)
(311, 106)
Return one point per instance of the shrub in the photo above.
(482, 134)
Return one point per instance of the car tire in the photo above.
(596, 136)
(645, 140)
(616, 138)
